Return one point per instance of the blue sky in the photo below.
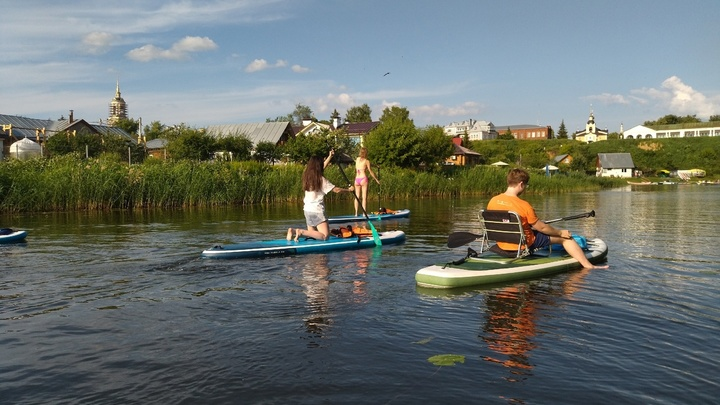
(234, 61)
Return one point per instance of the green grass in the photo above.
(71, 183)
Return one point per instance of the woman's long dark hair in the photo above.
(312, 176)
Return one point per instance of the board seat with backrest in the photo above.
(503, 226)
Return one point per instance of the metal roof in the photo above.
(616, 161)
(256, 132)
(156, 143)
(23, 127)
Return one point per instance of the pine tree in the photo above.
(562, 131)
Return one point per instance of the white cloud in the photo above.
(299, 69)
(261, 64)
(607, 98)
(178, 51)
(429, 112)
(680, 99)
(332, 102)
(97, 43)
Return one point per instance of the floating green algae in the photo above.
(446, 359)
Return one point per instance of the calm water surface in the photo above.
(120, 308)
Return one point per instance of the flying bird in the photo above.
(386, 74)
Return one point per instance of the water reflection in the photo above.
(316, 285)
(358, 263)
(511, 318)
(317, 277)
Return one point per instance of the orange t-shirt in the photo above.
(523, 208)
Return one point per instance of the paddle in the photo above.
(374, 231)
(457, 239)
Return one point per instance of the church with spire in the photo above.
(118, 107)
(591, 133)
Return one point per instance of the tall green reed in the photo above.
(71, 182)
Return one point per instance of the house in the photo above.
(475, 130)
(564, 159)
(274, 132)
(357, 131)
(687, 130)
(15, 128)
(614, 165)
(311, 128)
(463, 156)
(591, 133)
(157, 148)
(527, 132)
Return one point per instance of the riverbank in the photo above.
(70, 183)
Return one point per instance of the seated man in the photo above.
(537, 233)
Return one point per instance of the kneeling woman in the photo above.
(316, 186)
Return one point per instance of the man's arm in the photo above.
(549, 230)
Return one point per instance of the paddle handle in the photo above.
(584, 215)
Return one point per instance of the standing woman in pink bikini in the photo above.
(362, 164)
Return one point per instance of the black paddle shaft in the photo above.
(585, 215)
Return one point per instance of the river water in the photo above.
(118, 308)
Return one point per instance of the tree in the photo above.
(267, 152)
(81, 143)
(714, 118)
(466, 141)
(91, 144)
(281, 118)
(128, 125)
(300, 113)
(507, 135)
(302, 147)
(562, 131)
(673, 119)
(395, 142)
(436, 146)
(551, 133)
(239, 145)
(358, 114)
(189, 143)
(155, 130)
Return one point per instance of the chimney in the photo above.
(71, 119)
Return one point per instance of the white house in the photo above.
(688, 130)
(476, 130)
(614, 165)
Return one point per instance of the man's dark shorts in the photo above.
(541, 241)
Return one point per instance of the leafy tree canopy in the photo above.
(396, 141)
(155, 130)
(267, 152)
(128, 125)
(673, 119)
(300, 113)
(436, 146)
(189, 143)
(507, 135)
(359, 114)
(239, 145)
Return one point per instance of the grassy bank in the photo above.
(69, 183)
